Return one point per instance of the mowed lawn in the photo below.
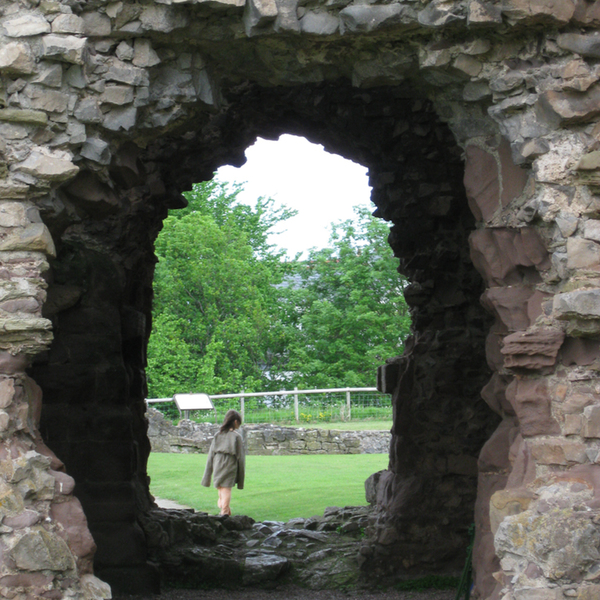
(277, 488)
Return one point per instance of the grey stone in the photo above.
(582, 253)
(474, 91)
(144, 55)
(68, 23)
(361, 17)
(117, 94)
(120, 118)
(39, 550)
(439, 14)
(33, 238)
(68, 48)
(124, 51)
(584, 44)
(567, 223)
(48, 167)
(25, 26)
(287, 16)
(126, 73)
(483, 13)
(96, 24)
(50, 75)
(95, 589)
(16, 57)
(162, 18)
(258, 569)
(319, 23)
(591, 230)
(258, 14)
(88, 110)
(75, 77)
(46, 100)
(582, 303)
(97, 150)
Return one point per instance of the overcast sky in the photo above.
(322, 187)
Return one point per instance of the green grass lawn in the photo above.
(277, 488)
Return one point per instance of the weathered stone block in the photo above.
(68, 23)
(68, 48)
(505, 503)
(26, 25)
(47, 100)
(117, 94)
(35, 237)
(532, 350)
(16, 58)
(571, 107)
(583, 253)
(123, 72)
(583, 44)
(314, 23)
(45, 166)
(499, 253)
(572, 424)
(483, 13)
(74, 525)
(591, 422)
(162, 18)
(40, 550)
(510, 305)
(481, 182)
(143, 54)
(535, 11)
(359, 17)
(96, 24)
(530, 399)
(559, 452)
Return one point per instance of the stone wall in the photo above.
(264, 439)
(479, 123)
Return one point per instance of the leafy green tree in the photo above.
(215, 296)
(346, 307)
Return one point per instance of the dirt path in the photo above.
(294, 593)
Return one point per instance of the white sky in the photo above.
(322, 187)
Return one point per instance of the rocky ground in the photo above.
(314, 558)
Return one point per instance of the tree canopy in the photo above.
(232, 314)
(215, 295)
(347, 308)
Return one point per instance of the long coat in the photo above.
(227, 460)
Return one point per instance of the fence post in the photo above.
(348, 405)
(296, 413)
(243, 409)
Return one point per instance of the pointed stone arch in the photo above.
(477, 122)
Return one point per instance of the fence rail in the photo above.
(292, 406)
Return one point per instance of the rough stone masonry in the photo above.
(478, 122)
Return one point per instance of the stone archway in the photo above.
(111, 110)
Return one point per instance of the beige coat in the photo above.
(227, 460)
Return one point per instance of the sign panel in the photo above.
(193, 402)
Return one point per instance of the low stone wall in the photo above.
(264, 439)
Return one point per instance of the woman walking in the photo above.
(226, 460)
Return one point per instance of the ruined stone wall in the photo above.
(477, 120)
(264, 439)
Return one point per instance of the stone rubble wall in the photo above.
(108, 110)
(264, 439)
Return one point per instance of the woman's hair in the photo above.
(230, 418)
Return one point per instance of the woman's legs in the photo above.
(224, 500)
